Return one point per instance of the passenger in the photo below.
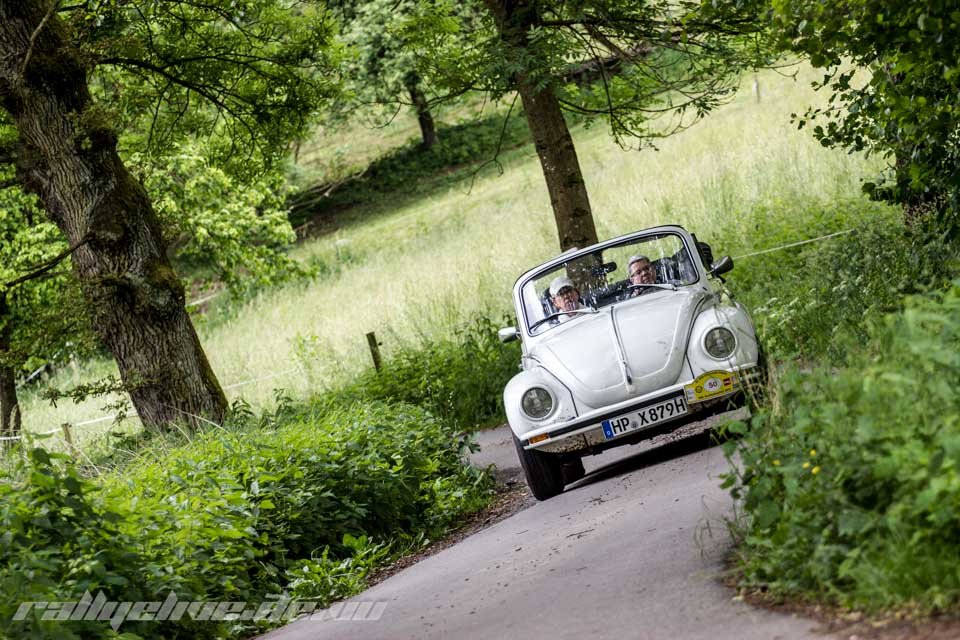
(565, 296)
(640, 271)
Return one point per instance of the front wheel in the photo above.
(544, 471)
(757, 394)
(573, 470)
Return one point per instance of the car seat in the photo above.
(546, 302)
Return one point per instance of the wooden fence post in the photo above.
(374, 350)
(69, 438)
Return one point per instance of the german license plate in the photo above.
(645, 417)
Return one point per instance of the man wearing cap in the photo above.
(565, 296)
(640, 271)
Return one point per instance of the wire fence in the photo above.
(793, 244)
(67, 428)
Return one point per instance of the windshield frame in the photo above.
(573, 254)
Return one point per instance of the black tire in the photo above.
(572, 469)
(544, 471)
(757, 396)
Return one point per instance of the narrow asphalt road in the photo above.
(634, 550)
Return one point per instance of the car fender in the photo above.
(538, 376)
(734, 317)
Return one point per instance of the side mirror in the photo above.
(508, 334)
(722, 266)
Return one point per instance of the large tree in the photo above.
(254, 62)
(672, 58)
(40, 318)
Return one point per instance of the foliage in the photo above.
(46, 321)
(62, 536)
(644, 58)
(381, 65)
(251, 71)
(903, 106)
(851, 490)
(325, 580)
(458, 378)
(292, 500)
(229, 230)
(816, 301)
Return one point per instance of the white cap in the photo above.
(559, 283)
(636, 259)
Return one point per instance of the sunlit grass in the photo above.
(420, 268)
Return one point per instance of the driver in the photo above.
(640, 271)
(565, 296)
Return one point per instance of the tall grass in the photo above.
(420, 269)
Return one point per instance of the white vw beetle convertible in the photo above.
(622, 341)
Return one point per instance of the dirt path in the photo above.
(634, 550)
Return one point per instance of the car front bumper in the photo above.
(585, 434)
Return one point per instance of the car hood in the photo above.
(625, 350)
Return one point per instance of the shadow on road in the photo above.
(647, 458)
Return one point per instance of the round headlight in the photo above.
(537, 403)
(719, 343)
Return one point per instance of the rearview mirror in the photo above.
(721, 266)
(508, 334)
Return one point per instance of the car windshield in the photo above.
(613, 274)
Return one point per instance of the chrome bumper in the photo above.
(587, 432)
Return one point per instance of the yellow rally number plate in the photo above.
(710, 384)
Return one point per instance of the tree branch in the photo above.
(36, 32)
(496, 154)
(44, 268)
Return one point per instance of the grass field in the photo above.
(423, 267)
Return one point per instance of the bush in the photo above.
(851, 491)
(815, 301)
(235, 515)
(460, 379)
(61, 537)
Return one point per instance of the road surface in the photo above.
(632, 551)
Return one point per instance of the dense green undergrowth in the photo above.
(815, 302)
(852, 480)
(459, 378)
(302, 502)
(848, 483)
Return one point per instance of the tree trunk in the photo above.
(551, 136)
(561, 169)
(69, 158)
(9, 407)
(428, 129)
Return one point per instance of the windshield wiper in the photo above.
(554, 316)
